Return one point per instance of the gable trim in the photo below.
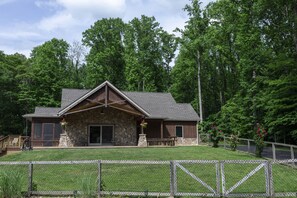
(106, 83)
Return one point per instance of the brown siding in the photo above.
(189, 129)
(153, 129)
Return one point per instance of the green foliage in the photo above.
(259, 140)
(10, 184)
(216, 135)
(105, 60)
(88, 186)
(248, 66)
(11, 109)
(148, 52)
(233, 142)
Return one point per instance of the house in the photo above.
(107, 116)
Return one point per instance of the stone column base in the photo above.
(64, 141)
(142, 140)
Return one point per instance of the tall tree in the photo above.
(48, 74)
(11, 109)
(105, 60)
(148, 51)
(76, 55)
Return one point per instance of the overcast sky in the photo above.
(25, 24)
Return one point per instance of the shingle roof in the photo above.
(44, 112)
(158, 105)
(70, 95)
(163, 105)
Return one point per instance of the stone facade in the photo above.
(124, 126)
(142, 140)
(186, 141)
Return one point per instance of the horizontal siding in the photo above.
(189, 129)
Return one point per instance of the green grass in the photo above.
(142, 178)
(151, 153)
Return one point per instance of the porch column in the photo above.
(161, 129)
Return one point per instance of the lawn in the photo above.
(144, 177)
(151, 153)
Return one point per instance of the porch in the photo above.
(11, 143)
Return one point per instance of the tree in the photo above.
(148, 52)
(76, 55)
(11, 110)
(105, 60)
(48, 74)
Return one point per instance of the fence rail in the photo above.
(272, 150)
(200, 178)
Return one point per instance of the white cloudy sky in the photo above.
(25, 24)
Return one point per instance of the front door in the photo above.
(100, 134)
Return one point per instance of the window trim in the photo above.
(182, 128)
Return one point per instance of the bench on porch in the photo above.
(161, 141)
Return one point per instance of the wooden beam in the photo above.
(106, 92)
(84, 110)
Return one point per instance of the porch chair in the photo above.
(14, 142)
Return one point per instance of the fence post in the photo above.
(273, 152)
(99, 178)
(173, 183)
(267, 178)
(223, 178)
(218, 179)
(30, 179)
(271, 187)
(292, 153)
(249, 146)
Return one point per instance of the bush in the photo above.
(233, 142)
(10, 184)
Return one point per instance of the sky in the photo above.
(25, 24)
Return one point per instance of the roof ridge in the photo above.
(75, 89)
(146, 92)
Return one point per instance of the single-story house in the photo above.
(107, 116)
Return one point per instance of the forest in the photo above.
(235, 61)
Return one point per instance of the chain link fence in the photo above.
(185, 178)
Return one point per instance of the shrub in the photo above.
(233, 142)
(259, 140)
(216, 135)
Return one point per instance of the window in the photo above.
(179, 131)
(100, 134)
(37, 130)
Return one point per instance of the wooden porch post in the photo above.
(161, 129)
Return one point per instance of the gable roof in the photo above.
(89, 93)
(155, 105)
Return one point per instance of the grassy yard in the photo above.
(151, 153)
(142, 178)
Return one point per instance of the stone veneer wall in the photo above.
(124, 126)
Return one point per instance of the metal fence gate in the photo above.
(195, 178)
